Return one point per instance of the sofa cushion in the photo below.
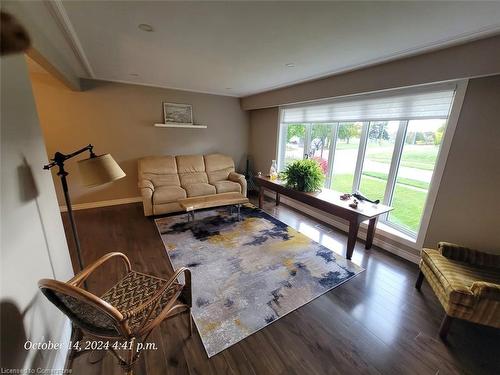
(165, 180)
(218, 167)
(195, 190)
(456, 278)
(167, 194)
(157, 165)
(190, 163)
(160, 170)
(191, 169)
(227, 187)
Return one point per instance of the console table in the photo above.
(329, 201)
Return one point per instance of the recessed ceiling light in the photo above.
(229, 88)
(146, 27)
(290, 65)
(134, 75)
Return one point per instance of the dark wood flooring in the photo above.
(377, 323)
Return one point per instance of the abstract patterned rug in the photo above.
(250, 273)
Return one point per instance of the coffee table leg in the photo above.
(351, 239)
(371, 232)
(261, 196)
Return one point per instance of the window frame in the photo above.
(451, 122)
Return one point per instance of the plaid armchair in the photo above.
(466, 282)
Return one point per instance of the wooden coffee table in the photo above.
(329, 201)
(190, 205)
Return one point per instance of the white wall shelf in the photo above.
(191, 126)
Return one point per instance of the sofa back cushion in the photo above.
(160, 170)
(218, 167)
(191, 169)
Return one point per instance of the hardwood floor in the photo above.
(376, 323)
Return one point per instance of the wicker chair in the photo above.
(128, 312)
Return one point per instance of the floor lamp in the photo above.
(95, 171)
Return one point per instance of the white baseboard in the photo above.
(112, 202)
(379, 240)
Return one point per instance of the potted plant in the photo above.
(304, 175)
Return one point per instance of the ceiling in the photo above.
(240, 48)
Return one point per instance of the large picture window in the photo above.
(384, 145)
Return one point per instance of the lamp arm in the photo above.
(60, 158)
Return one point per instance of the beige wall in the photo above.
(263, 138)
(473, 59)
(33, 244)
(467, 206)
(118, 119)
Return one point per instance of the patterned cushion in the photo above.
(459, 286)
(458, 277)
(135, 289)
(471, 256)
(85, 315)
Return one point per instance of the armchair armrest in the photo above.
(471, 256)
(239, 178)
(78, 279)
(485, 290)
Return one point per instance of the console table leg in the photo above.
(277, 199)
(371, 232)
(261, 197)
(351, 239)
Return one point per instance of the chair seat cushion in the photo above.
(135, 289)
(167, 194)
(456, 278)
(198, 189)
(227, 187)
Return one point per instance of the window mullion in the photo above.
(331, 155)
(361, 155)
(393, 169)
(307, 140)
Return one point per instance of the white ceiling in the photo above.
(240, 48)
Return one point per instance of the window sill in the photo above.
(391, 232)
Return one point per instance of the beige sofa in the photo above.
(164, 180)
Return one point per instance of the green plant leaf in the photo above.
(304, 175)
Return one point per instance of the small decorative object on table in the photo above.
(361, 197)
(304, 175)
(345, 196)
(273, 171)
(354, 204)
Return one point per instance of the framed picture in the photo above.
(174, 113)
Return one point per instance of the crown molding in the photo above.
(59, 14)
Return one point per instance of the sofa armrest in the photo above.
(485, 290)
(239, 178)
(471, 256)
(147, 189)
(146, 184)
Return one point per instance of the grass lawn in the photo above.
(342, 145)
(414, 156)
(409, 202)
(401, 180)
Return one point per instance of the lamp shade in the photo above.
(99, 170)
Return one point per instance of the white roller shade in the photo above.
(401, 105)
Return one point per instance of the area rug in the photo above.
(248, 273)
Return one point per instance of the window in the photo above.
(385, 145)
